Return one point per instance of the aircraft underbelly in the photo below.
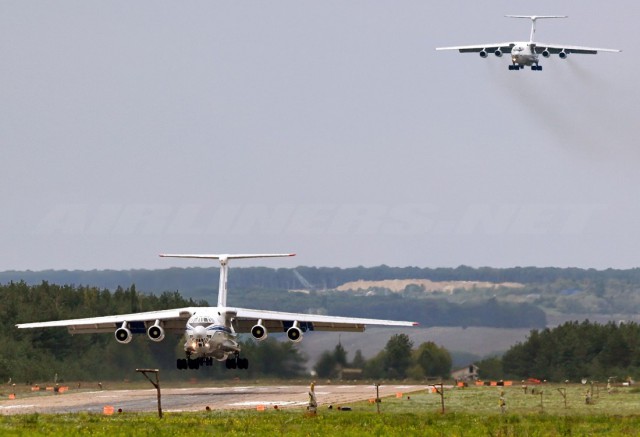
(524, 59)
(218, 345)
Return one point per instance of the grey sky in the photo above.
(329, 128)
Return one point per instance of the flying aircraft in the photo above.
(211, 332)
(527, 53)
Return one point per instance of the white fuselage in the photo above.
(210, 334)
(523, 53)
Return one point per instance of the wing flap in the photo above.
(172, 320)
(491, 47)
(277, 321)
(557, 48)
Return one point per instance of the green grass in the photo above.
(471, 411)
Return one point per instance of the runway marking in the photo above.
(11, 407)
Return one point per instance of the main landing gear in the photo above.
(518, 67)
(236, 362)
(188, 363)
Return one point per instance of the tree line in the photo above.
(40, 355)
(571, 351)
(398, 360)
(33, 355)
(192, 280)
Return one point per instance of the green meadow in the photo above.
(472, 411)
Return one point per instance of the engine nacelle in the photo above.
(155, 332)
(259, 332)
(294, 334)
(483, 53)
(498, 53)
(546, 53)
(563, 54)
(123, 335)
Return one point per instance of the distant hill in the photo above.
(196, 278)
(459, 296)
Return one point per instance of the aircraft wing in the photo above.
(172, 321)
(504, 47)
(276, 321)
(557, 48)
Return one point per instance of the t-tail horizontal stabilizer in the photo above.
(224, 266)
(533, 19)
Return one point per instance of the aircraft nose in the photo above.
(199, 332)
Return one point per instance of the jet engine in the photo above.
(294, 334)
(155, 332)
(563, 54)
(498, 53)
(259, 332)
(123, 335)
(546, 53)
(483, 53)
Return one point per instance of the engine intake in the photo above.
(259, 332)
(156, 332)
(483, 53)
(294, 334)
(563, 54)
(546, 53)
(498, 53)
(123, 335)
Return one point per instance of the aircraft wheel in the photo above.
(194, 364)
(511, 67)
(181, 363)
(231, 363)
(243, 363)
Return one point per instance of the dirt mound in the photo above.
(398, 285)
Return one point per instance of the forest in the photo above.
(571, 351)
(550, 289)
(53, 354)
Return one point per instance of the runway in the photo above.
(197, 398)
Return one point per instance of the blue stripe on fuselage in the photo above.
(219, 328)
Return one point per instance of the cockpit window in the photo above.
(200, 321)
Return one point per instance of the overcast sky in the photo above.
(332, 129)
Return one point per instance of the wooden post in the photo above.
(378, 397)
(441, 393)
(156, 384)
(563, 392)
(541, 402)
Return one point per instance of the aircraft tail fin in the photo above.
(224, 266)
(533, 19)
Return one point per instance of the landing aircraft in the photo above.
(211, 332)
(527, 53)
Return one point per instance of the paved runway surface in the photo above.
(196, 398)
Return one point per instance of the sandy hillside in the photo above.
(398, 285)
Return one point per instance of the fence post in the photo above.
(156, 384)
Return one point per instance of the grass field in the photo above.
(472, 411)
